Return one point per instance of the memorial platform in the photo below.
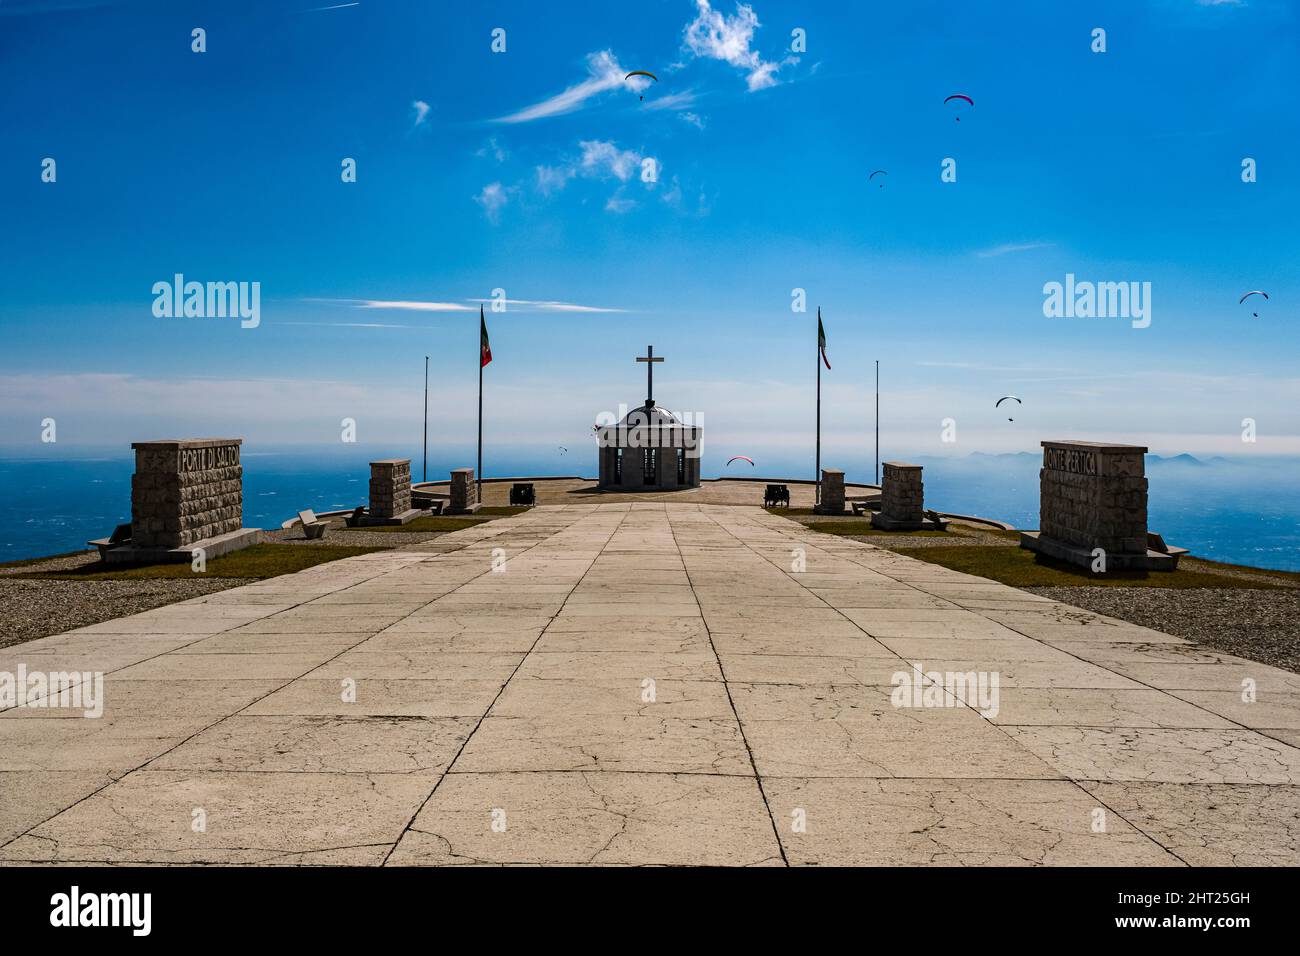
(644, 682)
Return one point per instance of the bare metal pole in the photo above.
(877, 422)
(479, 471)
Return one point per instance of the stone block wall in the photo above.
(1094, 496)
(185, 491)
(390, 487)
(902, 492)
(464, 489)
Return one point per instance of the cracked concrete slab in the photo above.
(591, 818)
(953, 823)
(646, 682)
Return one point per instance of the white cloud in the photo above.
(493, 149)
(548, 305)
(419, 305)
(551, 179)
(605, 74)
(420, 110)
(1010, 247)
(603, 158)
(410, 306)
(673, 101)
(493, 199)
(618, 203)
(714, 35)
(406, 305)
(693, 119)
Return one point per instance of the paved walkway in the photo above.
(645, 683)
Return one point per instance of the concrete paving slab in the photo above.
(952, 823)
(605, 819)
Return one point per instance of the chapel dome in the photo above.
(655, 415)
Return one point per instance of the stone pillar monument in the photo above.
(390, 487)
(390, 494)
(1093, 505)
(902, 500)
(832, 502)
(464, 492)
(186, 495)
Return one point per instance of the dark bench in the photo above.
(775, 495)
(522, 493)
(121, 535)
(427, 501)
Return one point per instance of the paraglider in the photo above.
(1008, 398)
(1249, 294)
(641, 73)
(878, 172)
(740, 458)
(562, 449)
(958, 96)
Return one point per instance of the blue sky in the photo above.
(522, 171)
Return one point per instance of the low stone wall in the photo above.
(185, 491)
(1094, 496)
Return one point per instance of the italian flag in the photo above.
(821, 337)
(484, 347)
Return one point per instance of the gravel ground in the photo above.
(1258, 624)
(32, 609)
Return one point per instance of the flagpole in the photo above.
(426, 419)
(479, 471)
(817, 477)
(877, 423)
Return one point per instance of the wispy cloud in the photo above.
(1010, 247)
(493, 198)
(604, 74)
(601, 160)
(673, 101)
(491, 148)
(604, 158)
(618, 203)
(464, 305)
(398, 304)
(419, 111)
(548, 305)
(713, 35)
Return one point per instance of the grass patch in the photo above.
(24, 562)
(449, 522)
(1021, 568)
(846, 529)
(428, 523)
(259, 561)
(1293, 576)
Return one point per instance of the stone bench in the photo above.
(312, 528)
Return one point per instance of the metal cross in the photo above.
(649, 358)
